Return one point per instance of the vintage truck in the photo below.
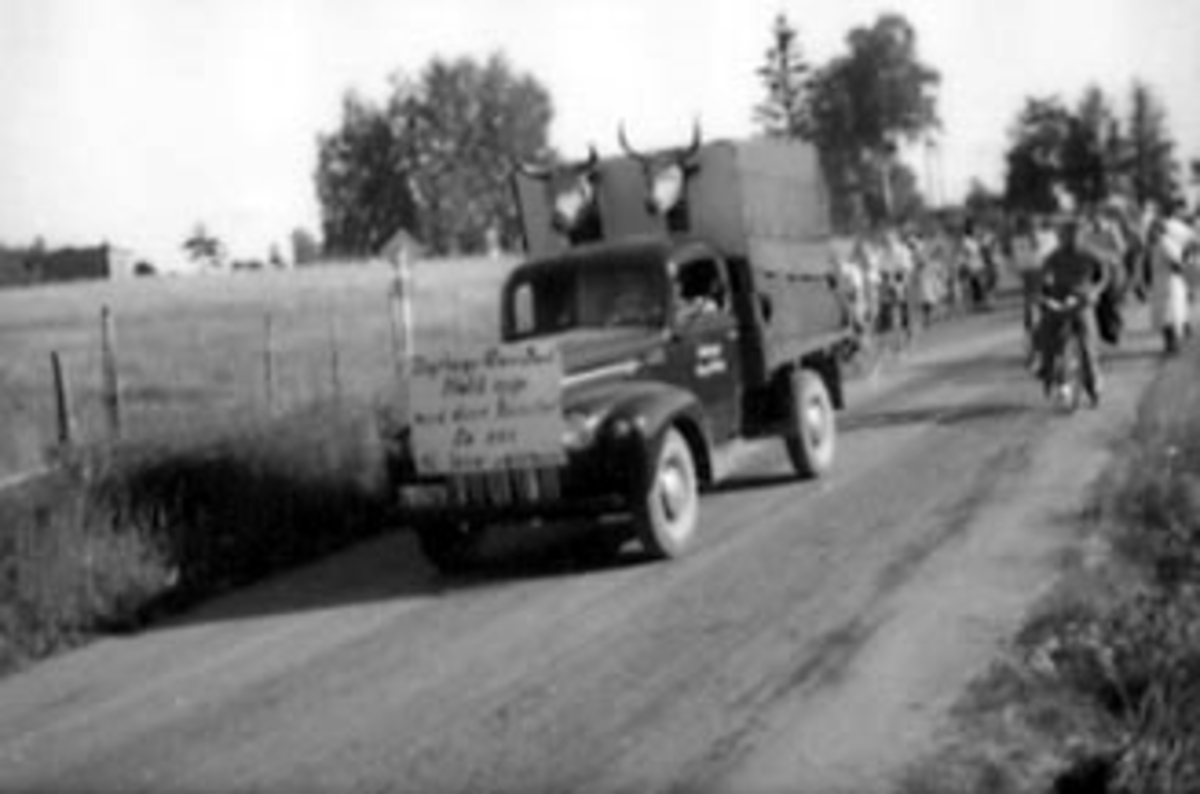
(674, 305)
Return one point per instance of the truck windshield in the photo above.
(626, 294)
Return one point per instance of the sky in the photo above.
(130, 121)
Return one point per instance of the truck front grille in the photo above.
(503, 488)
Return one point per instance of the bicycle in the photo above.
(1065, 386)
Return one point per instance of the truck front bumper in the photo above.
(596, 483)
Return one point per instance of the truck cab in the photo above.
(643, 309)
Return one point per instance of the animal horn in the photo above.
(688, 156)
(629, 150)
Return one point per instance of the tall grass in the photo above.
(117, 535)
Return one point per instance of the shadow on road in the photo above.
(935, 415)
(1120, 356)
(754, 482)
(383, 569)
(391, 568)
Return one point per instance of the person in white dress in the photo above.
(1172, 250)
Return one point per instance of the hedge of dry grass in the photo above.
(118, 535)
(1103, 692)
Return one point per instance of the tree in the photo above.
(785, 112)
(1035, 159)
(833, 112)
(864, 106)
(1096, 113)
(1088, 154)
(205, 248)
(982, 204)
(1091, 150)
(434, 159)
(305, 248)
(473, 122)
(363, 180)
(1152, 170)
(1192, 190)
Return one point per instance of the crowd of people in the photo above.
(899, 280)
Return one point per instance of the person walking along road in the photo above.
(1171, 246)
(1073, 273)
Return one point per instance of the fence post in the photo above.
(400, 311)
(269, 363)
(63, 407)
(335, 375)
(460, 321)
(394, 324)
(110, 380)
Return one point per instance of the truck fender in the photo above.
(828, 366)
(653, 407)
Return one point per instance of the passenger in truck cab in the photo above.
(699, 291)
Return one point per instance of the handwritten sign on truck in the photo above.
(487, 409)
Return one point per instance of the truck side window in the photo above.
(543, 304)
(700, 289)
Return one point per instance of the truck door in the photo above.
(704, 340)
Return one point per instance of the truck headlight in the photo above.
(580, 430)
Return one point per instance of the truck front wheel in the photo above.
(812, 438)
(449, 546)
(667, 517)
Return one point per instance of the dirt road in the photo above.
(811, 644)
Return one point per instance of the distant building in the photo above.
(74, 264)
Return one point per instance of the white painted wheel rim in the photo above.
(814, 423)
(675, 496)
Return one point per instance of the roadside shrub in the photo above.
(230, 510)
(118, 535)
(1132, 668)
(1133, 657)
(68, 567)
(1160, 512)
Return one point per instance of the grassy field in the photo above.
(208, 489)
(191, 350)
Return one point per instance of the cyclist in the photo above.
(1072, 272)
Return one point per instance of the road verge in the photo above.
(115, 536)
(1100, 690)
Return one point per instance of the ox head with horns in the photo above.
(666, 174)
(573, 195)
